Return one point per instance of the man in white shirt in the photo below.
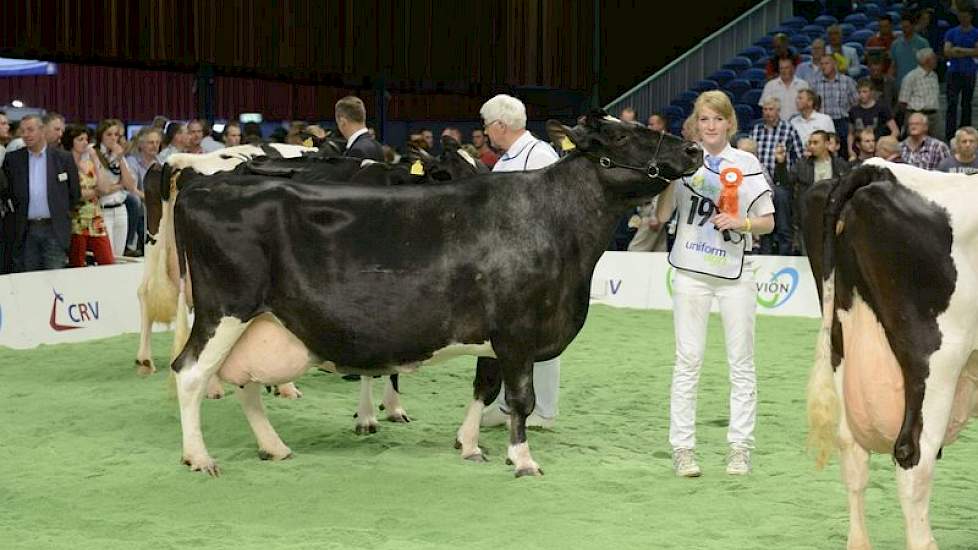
(785, 88)
(504, 119)
(808, 119)
(920, 91)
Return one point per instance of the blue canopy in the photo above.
(26, 67)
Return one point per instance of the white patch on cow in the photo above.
(468, 158)
(367, 162)
(468, 432)
(291, 151)
(221, 160)
(610, 118)
(523, 463)
(456, 350)
(366, 419)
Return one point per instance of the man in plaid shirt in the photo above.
(919, 149)
(773, 131)
(838, 93)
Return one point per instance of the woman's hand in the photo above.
(724, 221)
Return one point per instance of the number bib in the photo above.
(699, 246)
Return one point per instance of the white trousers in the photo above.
(692, 297)
(116, 225)
(546, 388)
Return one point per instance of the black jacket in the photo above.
(365, 147)
(63, 193)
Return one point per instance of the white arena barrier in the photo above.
(76, 305)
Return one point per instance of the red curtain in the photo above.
(90, 93)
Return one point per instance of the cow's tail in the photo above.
(823, 400)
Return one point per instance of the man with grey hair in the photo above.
(810, 70)
(919, 149)
(504, 120)
(920, 91)
(784, 88)
(963, 159)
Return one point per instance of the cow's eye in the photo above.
(622, 138)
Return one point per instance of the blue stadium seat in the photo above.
(943, 25)
(705, 85)
(723, 76)
(754, 75)
(737, 64)
(738, 86)
(870, 9)
(857, 19)
(753, 53)
(689, 95)
(751, 97)
(733, 98)
(860, 49)
(813, 31)
(676, 127)
(863, 72)
(782, 29)
(745, 114)
(861, 36)
(764, 41)
(760, 63)
(800, 40)
(682, 103)
(825, 20)
(847, 29)
(796, 22)
(896, 6)
(895, 17)
(673, 113)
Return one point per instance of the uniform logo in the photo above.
(78, 314)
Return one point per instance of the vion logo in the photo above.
(778, 289)
(78, 314)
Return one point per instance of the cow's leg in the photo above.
(288, 391)
(270, 445)
(144, 357)
(914, 483)
(855, 475)
(195, 366)
(392, 401)
(488, 380)
(366, 419)
(518, 379)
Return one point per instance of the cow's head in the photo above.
(627, 153)
(455, 162)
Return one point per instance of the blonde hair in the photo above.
(689, 129)
(718, 102)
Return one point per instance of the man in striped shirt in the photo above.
(771, 132)
(919, 149)
(838, 93)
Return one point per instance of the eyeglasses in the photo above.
(485, 128)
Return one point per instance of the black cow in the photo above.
(375, 281)
(893, 251)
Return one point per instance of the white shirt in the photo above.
(209, 144)
(920, 90)
(786, 94)
(526, 153)
(358, 133)
(805, 127)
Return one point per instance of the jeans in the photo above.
(692, 297)
(963, 85)
(842, 131)
(779, 242)
(41, 249)
(134, 231)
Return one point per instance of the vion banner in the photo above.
(68, 305)
(644, 280)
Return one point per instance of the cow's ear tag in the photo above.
(566, 144)
(417, 169)
(307, 142)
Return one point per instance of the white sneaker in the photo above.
(494, 416)
(684, 463)
(738, 461)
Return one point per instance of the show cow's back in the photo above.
(894, 250)
(373, 281)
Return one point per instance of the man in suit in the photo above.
(43, 185)
(351, 118)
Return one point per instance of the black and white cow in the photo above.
(894, 250)
(158, 293)
(375, 281)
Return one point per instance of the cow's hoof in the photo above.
(215, 394)
(206, 465)
(458, 444)
(268, 455)
(529, 471)
(476, 456)
(288, 391)
(398, 415)
(145, 367)
(364, 429)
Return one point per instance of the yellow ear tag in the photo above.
(566, 144)
(417, 169)
(307, 142)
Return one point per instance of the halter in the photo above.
(651, 169)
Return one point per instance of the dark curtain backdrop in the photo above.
(438, 58)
